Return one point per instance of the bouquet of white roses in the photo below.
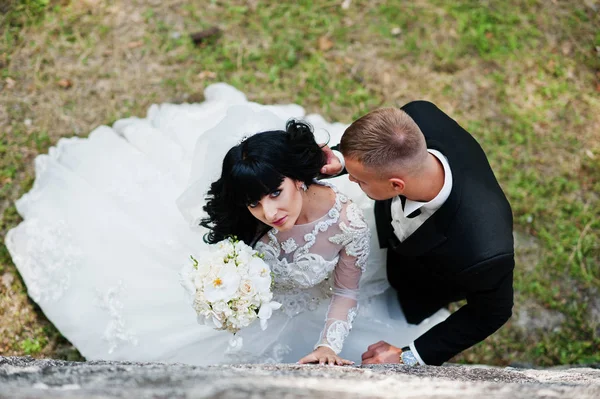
(231, 286)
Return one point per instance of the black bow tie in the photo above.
(410, 215)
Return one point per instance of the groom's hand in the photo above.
(333, 165)
(381, 352)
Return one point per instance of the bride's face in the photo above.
(281, 208)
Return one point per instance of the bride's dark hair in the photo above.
(255, 168)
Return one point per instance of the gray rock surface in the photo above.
(24, 377)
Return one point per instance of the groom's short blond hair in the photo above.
(386, 138)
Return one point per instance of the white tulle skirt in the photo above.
(103, 240)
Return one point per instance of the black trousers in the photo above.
(420, 292)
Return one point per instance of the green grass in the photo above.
(520, 75)
(34, 346)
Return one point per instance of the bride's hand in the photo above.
(324, 355)
(333, 165)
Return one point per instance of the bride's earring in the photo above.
(303, 186)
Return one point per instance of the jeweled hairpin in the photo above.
(244, 138)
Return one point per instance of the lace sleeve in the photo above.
(354, 238)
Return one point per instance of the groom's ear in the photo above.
(397, 184)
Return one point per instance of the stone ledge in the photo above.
(25, 377)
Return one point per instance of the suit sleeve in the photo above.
(489, 287)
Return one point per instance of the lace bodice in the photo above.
(321, 260)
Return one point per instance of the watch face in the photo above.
(409, 358)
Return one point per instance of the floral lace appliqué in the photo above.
(116, 332)
(46, 271)
(355, 238)
(289, 245)
(322, 226)
(336, 335)
(338, 331)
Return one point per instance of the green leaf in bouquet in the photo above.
(195, 262)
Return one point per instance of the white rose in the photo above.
(240, 305)
(247, 288)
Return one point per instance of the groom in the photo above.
(444, 219)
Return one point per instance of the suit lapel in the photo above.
(383, 222)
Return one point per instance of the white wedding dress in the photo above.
(112, 218)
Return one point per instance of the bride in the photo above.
(103, 237)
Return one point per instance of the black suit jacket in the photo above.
(466, 245)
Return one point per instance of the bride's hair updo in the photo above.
(255, 168)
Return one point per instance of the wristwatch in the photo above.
(407, 357)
